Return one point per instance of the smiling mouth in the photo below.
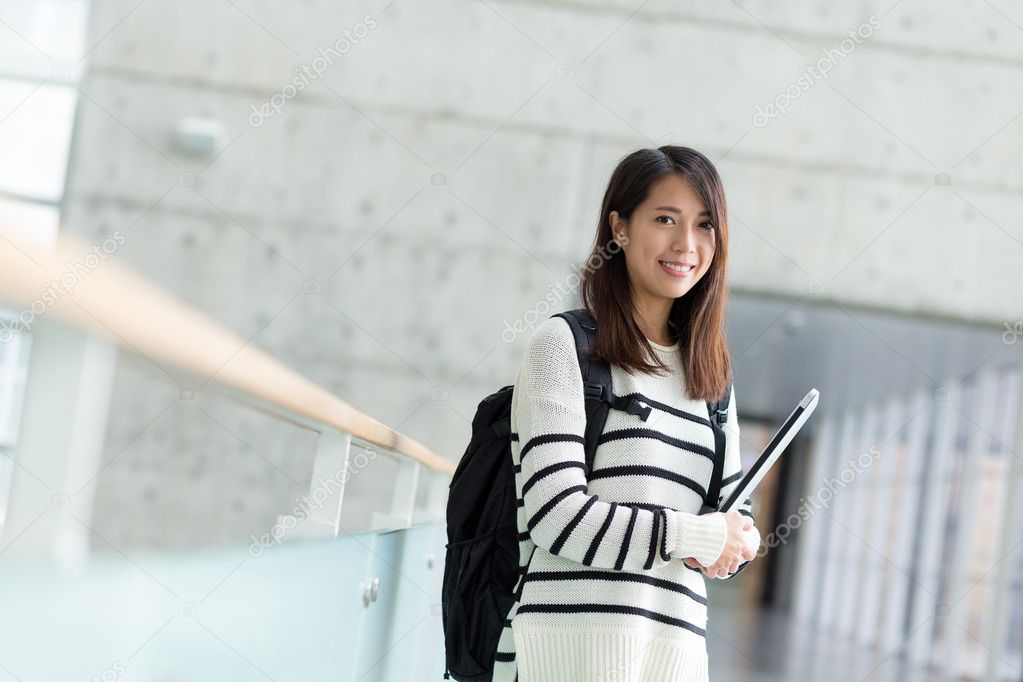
(681, 269)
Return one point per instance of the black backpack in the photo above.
(481, 564)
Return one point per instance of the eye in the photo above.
(666, 216)
(709, 225)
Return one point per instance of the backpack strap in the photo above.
(596, 375)
(718, 413)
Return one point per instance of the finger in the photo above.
(746, 522)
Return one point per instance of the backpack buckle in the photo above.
(637, 408)
(594, 391)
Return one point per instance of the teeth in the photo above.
(679, 268)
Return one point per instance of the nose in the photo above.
(685, 242)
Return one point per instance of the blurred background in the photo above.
(302, 229)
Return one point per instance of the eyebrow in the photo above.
(678, 210)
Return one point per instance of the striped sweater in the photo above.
(606, 595)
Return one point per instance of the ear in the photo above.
(618, 227)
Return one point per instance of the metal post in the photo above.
(962, 560)
(434, 506)
(60, 443)
(1011, 533)
(403, 500)
(885, 503)
(835, 552)
(813, 541)
(933, 512)
(327, 487)
(904, 505)
(856, 521)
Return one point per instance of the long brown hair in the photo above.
(697, 318)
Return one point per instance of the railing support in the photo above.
(331, 472)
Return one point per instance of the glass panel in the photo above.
(35, 36)
(13, 365)
(223, 614)
(987, 528)
(953, 487)
(1010, 658)
(35, 137)
(35, 223)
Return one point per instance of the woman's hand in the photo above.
(735, 550)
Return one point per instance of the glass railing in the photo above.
(330, 590)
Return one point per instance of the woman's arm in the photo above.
(548, 419)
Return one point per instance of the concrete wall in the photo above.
(438, 178)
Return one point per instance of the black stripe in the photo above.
(592, 551)
(650, 506)
(621, 434)
(628, 536)
(612, 608)
(515, 437)
(652, 554)
(747, 503)
(563, 537)
(518, 468)
(624, 576)
(507, 622)
(519, 502)
(524, 535)
(744, 513)
(549, 438)
(669, 409)
(731, 479)
(550, 469)
(664, 536)
(504, 656)
(551, 503)
(644, 470)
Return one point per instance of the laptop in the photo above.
(773, 451)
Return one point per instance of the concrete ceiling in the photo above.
(784, 347)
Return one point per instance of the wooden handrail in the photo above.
(113, 302)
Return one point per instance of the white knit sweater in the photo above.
(607, 596)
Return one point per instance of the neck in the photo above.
(652, 318)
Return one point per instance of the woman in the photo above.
(615, 588)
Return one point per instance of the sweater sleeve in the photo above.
(548, 421)
(732, 472)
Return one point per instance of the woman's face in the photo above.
(672, 225)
